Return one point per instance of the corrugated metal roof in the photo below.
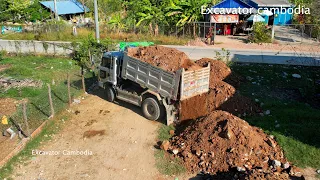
(232, 4)
(272, 3)
(65, 7)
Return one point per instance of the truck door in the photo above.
(108, 70)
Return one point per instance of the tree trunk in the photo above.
(194, 30)
(84, 8)
(156, 30)
(151, 28)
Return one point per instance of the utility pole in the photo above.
(55, 10)
(96, 20)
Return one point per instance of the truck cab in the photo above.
(109, 68)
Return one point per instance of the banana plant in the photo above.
(152, 15)
(187, 11)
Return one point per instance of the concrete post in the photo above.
(96, 20)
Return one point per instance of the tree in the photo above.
(147, 12)
(187, 11)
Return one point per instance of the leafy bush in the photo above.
(260, 33)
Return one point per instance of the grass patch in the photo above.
(163, 132)
(83, 33)
(165, 164)
(53, 127)
(47, 70)
(168, 166)
(295, 113)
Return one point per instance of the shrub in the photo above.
(260, 33)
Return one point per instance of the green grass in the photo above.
(50, 129)
(294, 122)
(168, 166)
(165, 164)
(83, 33)
(163, 132)
(46, 70)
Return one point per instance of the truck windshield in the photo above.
(106, 62)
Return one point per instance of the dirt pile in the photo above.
(218, 69)
(168, 59)
(222, 95)
(192, 109)
(196, 42)
(222, 142)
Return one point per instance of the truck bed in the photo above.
(166, 83)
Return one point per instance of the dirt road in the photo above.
(125, 150)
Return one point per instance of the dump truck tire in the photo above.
(110, 94)
(151, 109)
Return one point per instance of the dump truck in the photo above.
(156, 91)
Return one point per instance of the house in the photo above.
(279, 8)
(282, 11)
(66, 8)
(229, 13)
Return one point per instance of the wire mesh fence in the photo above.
(55, 97)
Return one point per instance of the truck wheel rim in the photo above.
(151, 109)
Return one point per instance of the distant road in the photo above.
(253, 56)
(238, 55)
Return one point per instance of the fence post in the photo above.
(50, 101)
(25, 118)
(176, 31)
(83, 84)
(69, 94)
(204, 30)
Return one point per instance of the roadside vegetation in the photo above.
(260, 33)
(293, 104)
(166, 164)
(47, 70)
(43, 70)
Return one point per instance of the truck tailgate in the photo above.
(194, 82)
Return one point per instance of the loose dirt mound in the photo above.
(221, 142)
(168, 59)
(196, 42)
(219, 94)
(218, 69)
(193, 107)
(239, 105)
(7, 106)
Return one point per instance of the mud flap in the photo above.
(170, 111)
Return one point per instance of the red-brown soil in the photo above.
(193, 108)
(168, 59)
(221, 142)
(218, 69)
(219, 94)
